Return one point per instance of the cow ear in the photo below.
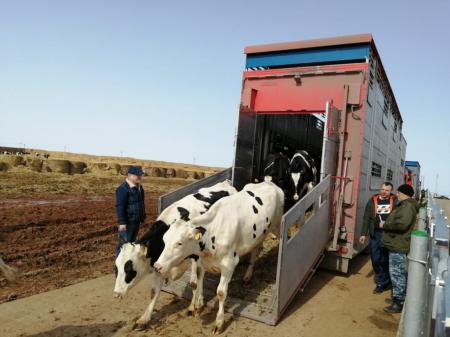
(199, 232)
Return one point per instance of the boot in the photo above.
(395, 307)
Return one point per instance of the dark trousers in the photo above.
(380, 259)
(127, 236)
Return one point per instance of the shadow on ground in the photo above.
(91, 330)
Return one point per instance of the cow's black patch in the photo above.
(255, 209)
(184, 213)
(254, 236)
(235, 254)
(254, 227)
(211, 200)
(153, 239)
(201, 213)
(130, 273)
(258, 200)
(265, 231)
(202, 246)
(213, 239)
(267, 220)
(251, 193)
(193, 257)
(213, 247)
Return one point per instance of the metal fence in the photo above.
(427, 306)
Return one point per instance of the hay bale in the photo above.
(4, 167)
(13, 161)
(35, 164)
(200, 175)
(181, 173)
(97, 167)
(115, 168)
(157, 172)
(58, 166)
(124, 169)
(170, 173)
(77, 167)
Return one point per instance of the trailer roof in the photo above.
(412, 163)
(316, 43)
(342, 42)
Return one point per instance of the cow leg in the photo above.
(156, 284)
(227, 268)
(196, 284)
(250, 268)
(200, 302)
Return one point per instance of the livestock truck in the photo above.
(332, 98)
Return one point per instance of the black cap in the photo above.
(406, 189)
(136, 170)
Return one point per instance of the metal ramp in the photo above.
(285, 264)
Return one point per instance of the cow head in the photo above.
(132, 264)
(302, 170)
(180, 242)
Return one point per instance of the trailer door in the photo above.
(305, 227)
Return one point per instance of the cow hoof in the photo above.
(140, 326)
(217, 330)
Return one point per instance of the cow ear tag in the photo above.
(198, 236)
(145, 250)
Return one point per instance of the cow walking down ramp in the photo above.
(136, 260)
(233, 227)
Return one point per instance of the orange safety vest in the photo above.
(375, 202)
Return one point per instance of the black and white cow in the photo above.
(295, 177)
(303, 174)
(277, 170)
(233, 227)
(136, 260)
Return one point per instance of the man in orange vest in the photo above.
(377, 210)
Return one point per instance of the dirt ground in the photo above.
(331, 305)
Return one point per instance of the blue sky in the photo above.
(161, 80)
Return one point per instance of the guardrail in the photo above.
(427, 305)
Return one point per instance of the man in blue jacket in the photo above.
(130, 207)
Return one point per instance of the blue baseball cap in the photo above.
(136, 170)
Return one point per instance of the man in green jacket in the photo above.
(377, 210)
(396, 238)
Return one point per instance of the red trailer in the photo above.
(332, 98)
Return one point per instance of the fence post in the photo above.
(421, 219)
(415, 303)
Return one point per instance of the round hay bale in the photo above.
(58, 166)
(35, 164)
(77, 167)
(97, 167)
(124, 169)
(157, 172)
(170, 173)
(4, 166)
(115, 167)
(191, 174)
(14, 161)
(181, 173)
